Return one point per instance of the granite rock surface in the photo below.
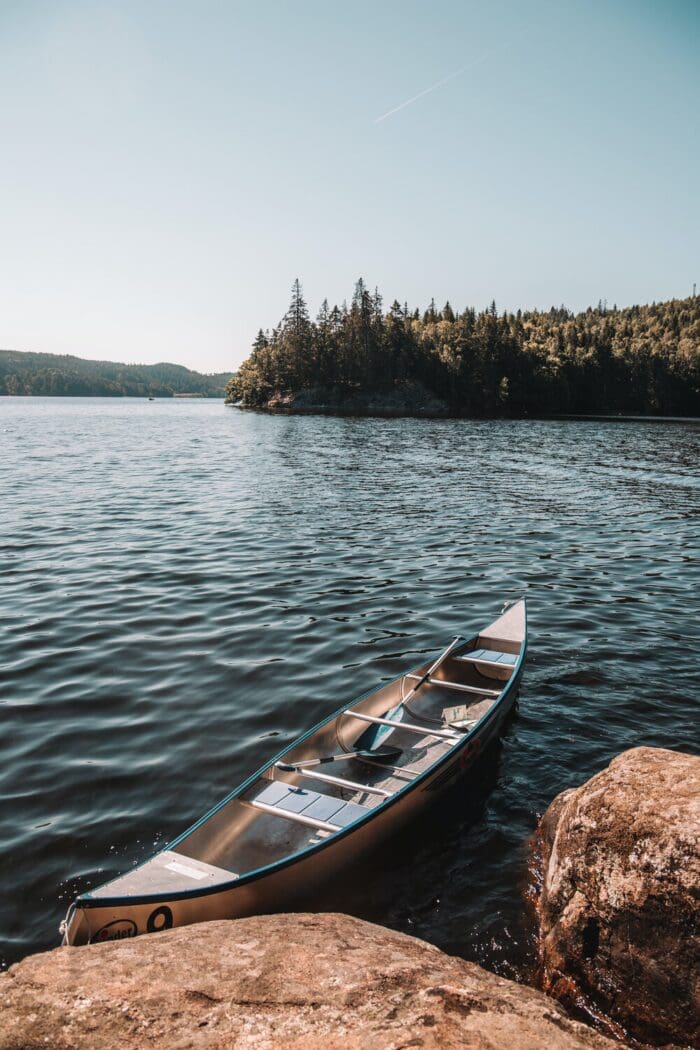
(619, 863)
(303, 982)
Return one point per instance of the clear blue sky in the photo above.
(168, 168)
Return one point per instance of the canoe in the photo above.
(325, 801)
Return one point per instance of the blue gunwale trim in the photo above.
(86, 900)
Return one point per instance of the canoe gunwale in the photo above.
(87, 901)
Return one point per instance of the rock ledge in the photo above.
(409, 399)
(298, 981)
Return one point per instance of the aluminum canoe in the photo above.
(276, 839)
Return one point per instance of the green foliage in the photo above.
(644, 359)
(63, 375)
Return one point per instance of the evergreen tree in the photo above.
(645, 358)
(296, 339)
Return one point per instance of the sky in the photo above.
(167, 169)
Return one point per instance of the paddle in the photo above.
(431, 670)
(380, 754)
(371, 737)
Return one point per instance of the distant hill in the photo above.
(61, 375)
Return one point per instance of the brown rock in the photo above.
(618, 909)
(305, 982)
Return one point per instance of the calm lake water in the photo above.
(186, 587)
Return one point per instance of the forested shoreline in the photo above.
(636, 360)
(62, 375)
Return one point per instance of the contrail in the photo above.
(434, 87)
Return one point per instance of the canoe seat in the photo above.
(308, 807)
(489, 656)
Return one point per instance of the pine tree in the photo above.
(430, 315)
(296, 339)
(636, 359)
(296, 319)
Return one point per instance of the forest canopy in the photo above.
(640, 359)
(62, 375)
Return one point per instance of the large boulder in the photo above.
(619, 861)
(302, 982)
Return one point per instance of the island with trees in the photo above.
(363, 359)
(62, 375)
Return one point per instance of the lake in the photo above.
(186, 587)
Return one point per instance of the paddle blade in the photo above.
(373, 735)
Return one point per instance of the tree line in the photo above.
(62, 375)
(641, 359)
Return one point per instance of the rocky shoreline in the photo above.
(415, 401)
(617, 864)
(412, 399)
(311, 981)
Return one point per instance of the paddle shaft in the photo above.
(377, 735)
(432, 669)
(377, 756)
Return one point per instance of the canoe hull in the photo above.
(298, 879)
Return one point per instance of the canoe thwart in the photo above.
(313, 774)
(442, 734)
(458, 686)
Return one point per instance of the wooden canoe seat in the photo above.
(307, 807)
(489, 656)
